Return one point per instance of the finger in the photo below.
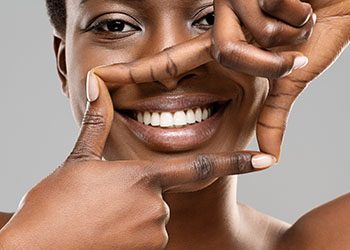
(96, 123)
(169, 63)
(293, 12)
(232, 51)
(273, 118)
(270, 32)
(207, 166)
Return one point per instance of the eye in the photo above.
(116, 25)
(205, 22)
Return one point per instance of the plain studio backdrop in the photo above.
(37, 129)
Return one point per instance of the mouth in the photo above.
(174, 123)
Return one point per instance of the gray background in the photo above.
(37, 129)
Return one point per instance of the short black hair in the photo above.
(56, 9)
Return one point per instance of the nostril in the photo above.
(188, 77)
(171, 84)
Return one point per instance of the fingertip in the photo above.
(300, 62)
(92, 87)
(262, 161)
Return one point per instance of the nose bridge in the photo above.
(169, 31)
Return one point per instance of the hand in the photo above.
(331, 34)
(271, 23)
(90, 203)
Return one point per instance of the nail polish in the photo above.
(300, 62)
(92, 88)
(261, 161)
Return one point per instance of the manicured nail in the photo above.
(92, 89)
(300, 62)
(263, 161)
(314, 18)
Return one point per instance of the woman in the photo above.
(119, 203)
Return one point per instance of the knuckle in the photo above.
(271, 6)
(203, 167)
(93, 118)
(270, 36)
(227, 53)
(242, 163)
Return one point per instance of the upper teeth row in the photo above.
(178, 118)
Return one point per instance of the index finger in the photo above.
(169, 63)
(207, 166)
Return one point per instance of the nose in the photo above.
(168, 33)
(171, 83)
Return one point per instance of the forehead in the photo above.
(80, 4)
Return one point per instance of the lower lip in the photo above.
(174, 139)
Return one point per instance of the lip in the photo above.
(175, 139)
(173, 103)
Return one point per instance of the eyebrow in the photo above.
(82, 2)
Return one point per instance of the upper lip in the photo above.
(173, 103)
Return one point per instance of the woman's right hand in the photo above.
(89, 203)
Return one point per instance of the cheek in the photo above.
(255, 93)
(81, 58)
(241, 122)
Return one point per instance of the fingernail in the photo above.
(300, 62)
(314, 18)
(263, 161)
(92, 89)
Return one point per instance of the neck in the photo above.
(204, 217)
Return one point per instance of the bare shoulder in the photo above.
(260, 231)
(4, 218)
(325, 227)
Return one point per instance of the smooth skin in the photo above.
(140, 194)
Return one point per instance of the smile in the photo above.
(176, 119)
(174, 123)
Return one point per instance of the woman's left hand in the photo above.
(279, 29)
(330, 36)
(240, 23)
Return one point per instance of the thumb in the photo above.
(96, 123)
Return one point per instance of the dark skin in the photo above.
(78, 52)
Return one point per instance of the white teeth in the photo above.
(176, 119)
(147, 118)
(198, 115)
(205, 114)
(190, 117)
(180, 118)
(166, 120)
(155, 119)
(140, 117)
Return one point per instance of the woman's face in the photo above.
(106, 32)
